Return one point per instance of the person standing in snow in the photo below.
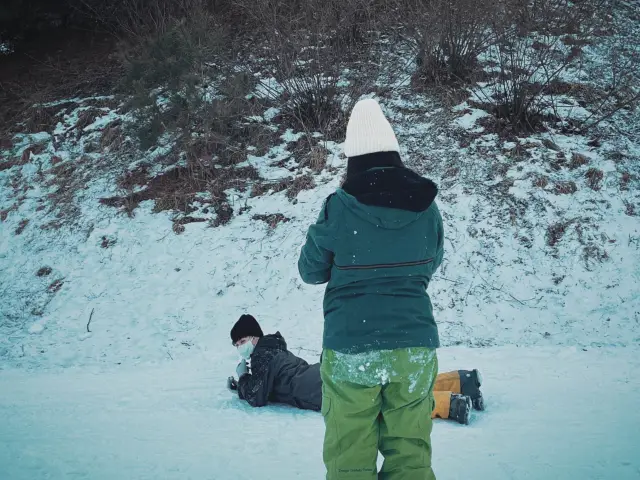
(279, 376)
(376, 244)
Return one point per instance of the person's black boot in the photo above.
(470, 383)
(460, 408)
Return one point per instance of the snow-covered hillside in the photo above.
(156, 294)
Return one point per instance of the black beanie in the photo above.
(246, 326)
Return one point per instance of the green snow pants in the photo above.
(378, 401)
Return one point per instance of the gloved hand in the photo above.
(232, 384)
(242, 369)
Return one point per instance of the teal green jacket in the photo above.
(377, 242)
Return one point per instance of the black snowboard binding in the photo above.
(470, 383)
(460, 408)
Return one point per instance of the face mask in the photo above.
(246, 349)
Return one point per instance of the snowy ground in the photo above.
(560, 413)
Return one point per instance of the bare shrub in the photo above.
(447, 38)
(307, 49)
(619, 74)
(529, 69)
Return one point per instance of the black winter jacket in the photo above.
(277, 375)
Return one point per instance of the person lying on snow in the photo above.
(279, 376)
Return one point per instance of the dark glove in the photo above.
(232, 384)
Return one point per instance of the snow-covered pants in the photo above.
(378, 401)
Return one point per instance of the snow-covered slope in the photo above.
(158, 295)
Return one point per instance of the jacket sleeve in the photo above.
(316, 257)
(251, 387)
(255, 387)
(437, 261)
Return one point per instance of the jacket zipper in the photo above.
(385, 265)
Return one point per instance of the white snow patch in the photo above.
(36, 328)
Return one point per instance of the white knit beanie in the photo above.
(368, 131)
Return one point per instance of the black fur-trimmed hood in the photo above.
(381, 180)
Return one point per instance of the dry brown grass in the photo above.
(630, 209)
(86, 118)
(594, 178)
(21, 226)
(23, 159)
(272, 220)
(5, 212)
(69, 179)
(303, 182)
(555, 232)
(578, 160)
(260, 188)
(541, 181)
(224, 214)
(55, 285)
(624, 180)
(44, 272)
(112, 136)
(177, 188)
(134, 178)
(565, 188)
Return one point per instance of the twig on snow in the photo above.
(89, 322)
